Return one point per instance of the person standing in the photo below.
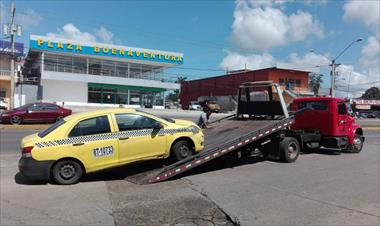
(203, 120)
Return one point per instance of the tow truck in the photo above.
(266, 128)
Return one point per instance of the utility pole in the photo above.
(334, 65)
(12, 16)
(10, 30)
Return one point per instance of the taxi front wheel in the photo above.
(181, 150)
(67, 172)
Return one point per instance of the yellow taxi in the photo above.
(92, 141)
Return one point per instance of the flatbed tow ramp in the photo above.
(249, 129)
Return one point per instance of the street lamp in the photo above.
(334, 65)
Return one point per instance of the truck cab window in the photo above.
(315, 105)
(342, 108)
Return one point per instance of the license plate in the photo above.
(103, 151)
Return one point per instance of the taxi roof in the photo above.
(99, 112)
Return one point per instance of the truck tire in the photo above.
(67, 172)
(357, 146)
(181, 150)
(289, 149)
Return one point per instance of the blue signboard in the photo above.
(5, 48)
(45, 44)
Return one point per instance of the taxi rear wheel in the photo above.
(181, 150)
(67, 172)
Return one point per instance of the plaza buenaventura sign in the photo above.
(88, 48)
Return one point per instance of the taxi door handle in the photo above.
(123, 138)
(78, 144)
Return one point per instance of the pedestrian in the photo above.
(203, 120)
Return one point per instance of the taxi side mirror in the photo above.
(158, 126)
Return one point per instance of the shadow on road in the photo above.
(140, 172)
(321, 152)
(19, 179)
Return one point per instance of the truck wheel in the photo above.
(357, 145)
(67, 172)
(289, 149)
(181, 150)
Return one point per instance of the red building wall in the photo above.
(227, 85)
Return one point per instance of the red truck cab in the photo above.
(329, 118)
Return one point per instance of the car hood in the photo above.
(29, 140)
(182, 122)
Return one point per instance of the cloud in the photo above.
(236, 61)
(302, 24)
(70, 31)
(316, 2)
(366, 12)
(266, 3)
(309, 59)
(355, 82)
(104, 35)
(370, 54)
(261, 28)
(28, 18)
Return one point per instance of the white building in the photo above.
(87, 73)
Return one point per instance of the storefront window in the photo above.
(94, 95)
(65, 63)
(50, 62)
(94, 67)
(108, 68)
(109, 96)
(79, 65)
(135, 98)
(122, 97)
(117, 94)
(159, 99)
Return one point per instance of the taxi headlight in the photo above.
(194, 129)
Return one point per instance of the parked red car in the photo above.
(36, 112)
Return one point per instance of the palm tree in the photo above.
(315, 81)
(181, 79)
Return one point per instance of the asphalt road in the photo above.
(319, 189)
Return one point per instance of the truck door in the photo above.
(342, 119)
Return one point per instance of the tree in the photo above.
(372, 93)
(175, 94)
(315, 81)
(181, 79)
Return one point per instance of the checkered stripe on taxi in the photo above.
(110, 136)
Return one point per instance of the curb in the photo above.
(25, 127)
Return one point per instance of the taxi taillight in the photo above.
(27, 151)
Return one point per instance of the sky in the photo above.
(219, 36)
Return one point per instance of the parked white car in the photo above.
(3, 104)
(195, 106)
